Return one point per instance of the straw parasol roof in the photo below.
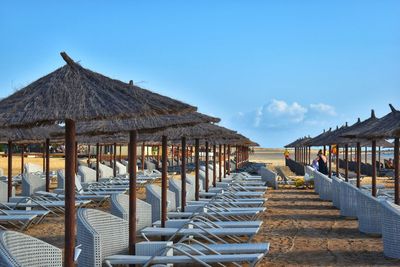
(143, 124)
(29, 135)
(299, 142)
(316, 141)
(360, 126)
(73, 92)
(386, 127)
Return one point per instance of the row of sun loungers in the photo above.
(376, 215)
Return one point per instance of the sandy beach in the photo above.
(302, 229)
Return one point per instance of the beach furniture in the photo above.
(269, 177)
(391, 229)
(87, 174)
(4, 191)
(20, 221)
(121, 168)
(105, 171)
(336, 191)
(20, 250)
(32, 182)
(369, 213)
(120, 208)
(324, 185)
(32, 168)
(348, 199)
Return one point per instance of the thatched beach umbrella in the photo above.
(386, 127)
(73, 93)
(25, 136)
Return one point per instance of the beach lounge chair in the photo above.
(167, 253)
(21, 221)
(121, 168)
(87, 174)
(390, 229)
(99, 239)
(19, 250)
(32, 168)
(120, 208)
(269, 177)
(32, 182)
(105, 171)
(4, 191)
(348, 199)
(369, 213)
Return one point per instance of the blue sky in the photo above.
(273, 70)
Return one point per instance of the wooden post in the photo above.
(358, 164)
(183, 175)
(396, 172)
(237, 158)
(22, 158)
(215, 165)
(164, 182)
(115, 160)
(206, 182)
(70, 217)
(374, 168)
(88, 160)
(120, 153)
(143, 154)
(76, 157)
(158, 156)
(229, 159)
(44, 156)
(97, 161)
(224, 161)
(346, 162)
(197, 163)
(337, 160)
(220, 162)
(9, 170)
(101, 154)
(48, 165)
(330, 162)
(172, 156)
(324, 150)
(132, 160)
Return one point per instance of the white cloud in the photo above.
(323, 108)
(293, 112)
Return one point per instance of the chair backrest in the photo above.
(17, 249)
(190, 179)
(31, 183)
(32, 168)
(101, 235)
(87, 174)
(105, 171)
(269, 177)
(176, 187)
(1, 172)
(4, 191)
(153, 197)
(120, 208)
(121, 168)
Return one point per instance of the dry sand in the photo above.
(302, 230)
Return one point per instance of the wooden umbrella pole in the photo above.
(224, 161)
(9, 170)
(114, 161)
(120, 153)
(206, 182)
(143, 154)
(22, 158)
(47, 165)
(215, 165)
(220, 162)
(172, 156)
(70, 218)
(337, 160)
(88, 160)
(158, 156)
(346, 162)
(164, 182)
(183, 175)
(97, 161)
(229, 160)
(396, 172)
(330, 161)
(197, 163)
(373, 167)
(132, 159)
(44, 156)
(358, 164)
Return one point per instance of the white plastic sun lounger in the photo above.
(184, 259)
(22, 222)
(19, 250)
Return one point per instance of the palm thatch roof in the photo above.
(144, 124)
(360, 126)
(29, 135)
(73, 92)
(386, 127)
(316, 141)
(299, 142)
